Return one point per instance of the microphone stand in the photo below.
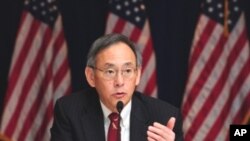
(119, 107)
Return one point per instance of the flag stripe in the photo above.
(36, 80)
(39, 74)
(111, 22)
(150, 85)
(205, 36)
(218, 87)
(36, 105)
(203, 22)
(119, 26)
(238, 118)
(146, 54)
(219, 75)
(227, 106)
(62, 71)
(216, 68)
(239, 104)
(47, 117)
(40, 94)
(27, 83)
(27, 92)
(9, 101)
(60, 85)
(217, 71)
(201, 61)
(22, 30)
(135, 35)
(243, 109)
(149, 66)
(204, 75)
(62, 74)
(21, 57)
(128, 29)
(212, 117)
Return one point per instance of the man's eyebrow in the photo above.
(128, 64)
(109, 65)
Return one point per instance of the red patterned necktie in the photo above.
(113, 132)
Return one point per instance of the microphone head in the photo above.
(119, 106)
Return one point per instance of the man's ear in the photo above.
(89, 73)
(138, 77)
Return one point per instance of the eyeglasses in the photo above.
(111, 73)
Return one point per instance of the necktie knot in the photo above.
(114, 117)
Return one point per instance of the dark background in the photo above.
(172, 26)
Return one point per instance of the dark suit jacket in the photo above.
(79, 117)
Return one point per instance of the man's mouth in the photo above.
(119, 95)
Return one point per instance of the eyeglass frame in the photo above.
(116, 71)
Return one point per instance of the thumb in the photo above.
(171, 123)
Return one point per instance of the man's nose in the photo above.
(119, 80)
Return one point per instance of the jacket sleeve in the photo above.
(61, 129)
(178, 128)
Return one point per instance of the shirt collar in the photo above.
(125, 113)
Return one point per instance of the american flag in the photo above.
(39, 73)
(218, 88)
(128, 17)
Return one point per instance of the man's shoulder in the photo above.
(154, 104)
(72, 97)
(78, 98)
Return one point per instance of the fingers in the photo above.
(154, 137)
(160, 132)
(171, 123)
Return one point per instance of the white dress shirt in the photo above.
(124, 123)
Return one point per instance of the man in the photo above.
(113, 71)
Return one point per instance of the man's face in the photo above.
(115, 75)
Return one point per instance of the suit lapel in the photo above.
(93, 124)
(92, 120)
(139, 121)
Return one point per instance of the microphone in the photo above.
(119, 107)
